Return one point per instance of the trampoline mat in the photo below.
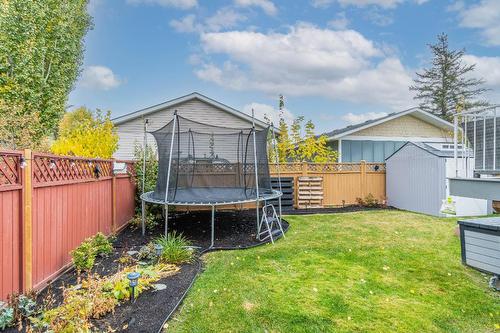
(211, 195)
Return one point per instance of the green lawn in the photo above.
(379, 271)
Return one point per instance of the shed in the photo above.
(416, 180)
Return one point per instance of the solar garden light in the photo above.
(158, 250)
(133, 282)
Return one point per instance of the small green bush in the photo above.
(368, 201)
(149, 220)
(84, 256)
(147, 252)
(6, 317)
(102, 244)
(175, 248)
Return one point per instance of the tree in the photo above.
(17, 128)
(447, 82)
(293, 147)
(86, 133)
(41, 52)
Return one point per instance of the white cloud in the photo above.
(484, 15)
(352, 118)
(182, 4)
(487, 68)
(340, 22)
(266, 5)
(265, 110)
(186, 24)
(307, 61)
(99, 77)
(364, 3)
(380, 18)
(224, 18)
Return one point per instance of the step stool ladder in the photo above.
(270, 224)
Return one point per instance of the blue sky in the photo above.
(336, 62)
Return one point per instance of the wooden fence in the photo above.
(48, 205)
(343, 183)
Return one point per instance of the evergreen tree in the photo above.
(448, 82)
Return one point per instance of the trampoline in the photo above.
(205, 165)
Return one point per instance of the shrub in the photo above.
(102, 244)
(175, 248)
(147, 252)
(24, 306)
(84, 256)
(149, 220)
(368, 201)
(6, 317)
(151, 174)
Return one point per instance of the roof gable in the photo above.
(172, 103)
(415, 112)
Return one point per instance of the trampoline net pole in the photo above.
(455, 143)
(212, 235)
(256, 172)
(144, 147)
(166, 220)
(168, 172)
(170, 156)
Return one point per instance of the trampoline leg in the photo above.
(166, 220)
(258, 220)
(143, 212)
(212, 236)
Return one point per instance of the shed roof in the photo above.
(444, 153)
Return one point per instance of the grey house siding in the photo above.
(368, 150)
(131, 133)
(415, 180)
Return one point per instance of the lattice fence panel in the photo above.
(49, 169)
(10, 169)
(375, 167)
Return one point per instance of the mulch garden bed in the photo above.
(232, 230)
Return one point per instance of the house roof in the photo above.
(428, 148)
(416, 112)
(195, 95)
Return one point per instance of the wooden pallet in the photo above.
(310, 192)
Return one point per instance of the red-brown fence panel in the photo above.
(58, 203)
(10, 222)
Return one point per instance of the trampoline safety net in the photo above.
(210, 163)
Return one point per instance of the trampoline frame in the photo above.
(258, 199)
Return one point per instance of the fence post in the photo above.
(362, 169)
(27, 227)
(304, 168)
(113, 202)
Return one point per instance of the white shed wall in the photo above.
(416, 180)
(131, 133)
